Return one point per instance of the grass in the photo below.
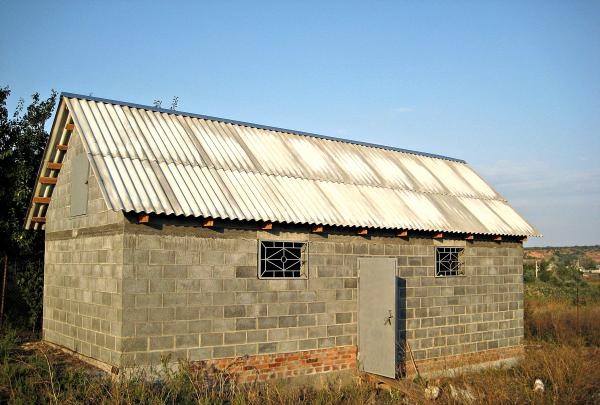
(571, 374)
(563, 323)
(562, 349)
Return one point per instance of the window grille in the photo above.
(449, 261)
(278, 259)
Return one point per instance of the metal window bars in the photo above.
(449, 261)
(281, 259)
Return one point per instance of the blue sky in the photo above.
(511, 87)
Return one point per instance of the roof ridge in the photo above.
(258, 126)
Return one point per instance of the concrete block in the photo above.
(134, 344)
(202, 353)
(234, 311)
(200, 326)
(245, 323)
(253, 336)
(187, 341)
(264, 348)
(223, 352)
(246, 272)
(288, 346)
(211, 339)
(235, 338)
(246, 350)
(343, 317)
(162, 257)
(186, 313)
(148, 329)
(288, 321)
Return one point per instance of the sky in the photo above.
(512, 87)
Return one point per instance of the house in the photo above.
(200, 238)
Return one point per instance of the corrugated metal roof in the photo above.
(160, 161)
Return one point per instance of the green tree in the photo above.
(543, 273)
(587, 263)
(528, 272)
(22, 143)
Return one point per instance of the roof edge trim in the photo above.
(258, 126)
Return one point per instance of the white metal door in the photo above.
(377, 315)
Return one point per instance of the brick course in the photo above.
(284, 365)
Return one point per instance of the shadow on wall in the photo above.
(401, 347)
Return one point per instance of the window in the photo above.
(449, 261)
(279, 259)
(79, 184)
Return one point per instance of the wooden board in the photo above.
(54, 166)
(41, 200)
(48, 180)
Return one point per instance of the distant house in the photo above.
(170, 233)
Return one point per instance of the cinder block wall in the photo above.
(193, 293)
(462, 315)
(83, 271)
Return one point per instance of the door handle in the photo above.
(388, 319)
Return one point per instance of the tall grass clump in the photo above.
(562, 322)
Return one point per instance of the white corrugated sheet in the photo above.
(174, 163)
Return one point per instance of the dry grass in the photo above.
(564, 354)
(571, 375)
(562, 322)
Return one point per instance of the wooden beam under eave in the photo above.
(498, 238)
(144, 218)
(470, 237)
(54, 166)
(41, 200)
(363, 231)
(267, 226)
(402, 234)
(39, 220)
(438, 235)
(70, 127)
(208, 223)
(61, 146)
(317, 229)
(48, 180)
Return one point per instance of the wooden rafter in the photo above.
(48, 180)
(54, 166)
(41, 200)
(143, 218)
(317, 229)
(52, 163)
